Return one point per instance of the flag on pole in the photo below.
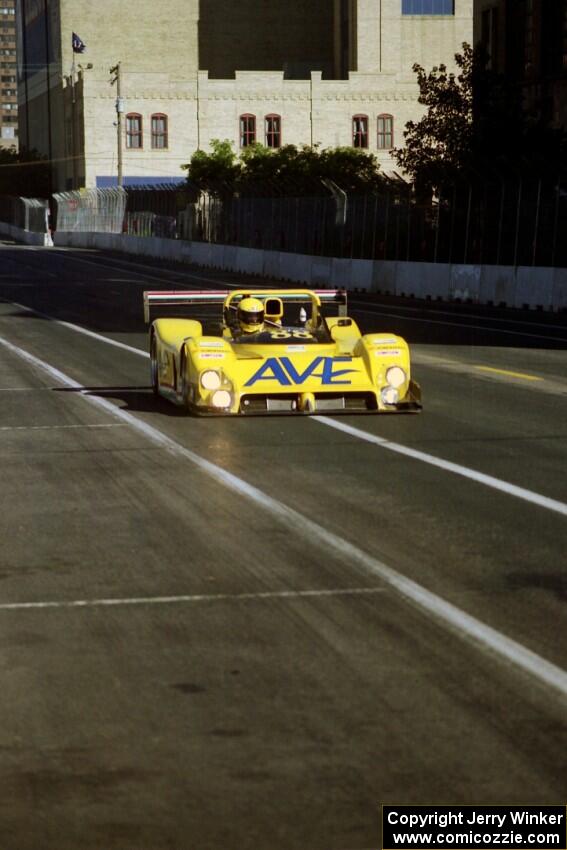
(79, 45)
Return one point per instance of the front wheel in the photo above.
(154, 365)
(186, 388)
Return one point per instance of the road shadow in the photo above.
(133, 399)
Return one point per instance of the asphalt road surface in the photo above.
(247, 634)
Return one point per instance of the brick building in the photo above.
(328, 72)
(8, 86)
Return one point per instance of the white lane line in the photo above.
(57, 427)
(193, 598)
(448, 615)
(448, 466)
(82, 330)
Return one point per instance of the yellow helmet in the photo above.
(251, 315)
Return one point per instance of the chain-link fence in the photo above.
(136, 210)
(153, 210)
(504, 220)
(384, 225)
(26, 213)
(91, 210)
(519, 221)
(512, 221)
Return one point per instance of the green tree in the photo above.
(288, 170)
(473, 123)
(216, 170)
(439, 146)
(353, 169)
(24, 173)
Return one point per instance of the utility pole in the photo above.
(115, 70)
(73, 127)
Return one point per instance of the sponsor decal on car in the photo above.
(387, 352)
(282, 370)
(212, 355)
(205, 344)
(384, 341)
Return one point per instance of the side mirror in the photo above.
(338, 329)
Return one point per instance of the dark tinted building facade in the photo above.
(527, 40)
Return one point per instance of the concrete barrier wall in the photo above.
(25, 236)
(537, 288)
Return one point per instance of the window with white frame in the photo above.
(273, 131)
(385, 139)
(247, 131)
(360, 131)
(134, 136)
(160, 132)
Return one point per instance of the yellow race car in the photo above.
(274, 351)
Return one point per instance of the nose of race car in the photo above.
(306, 403)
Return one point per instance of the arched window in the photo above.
(273, 131)
(159, 131)
(385, 132)
(134, 137)
(360, 131)
(247, 130)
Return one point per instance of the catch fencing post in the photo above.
(314, 228)
(556, 220)
(536, 223)
(374, 226)
(500, 221)
(386, 222)
(453, 215)
(482, 222)
(363, 229)
(354, 204)
(467, 225)
(398, 216)
(271, 245)
(408, 239)
(517, 236)
(323, 226)
(438, 228)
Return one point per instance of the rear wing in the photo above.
(179, 298)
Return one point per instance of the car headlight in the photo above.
(221, 399)
(389, 395)
(396, 376)
(210, 380)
